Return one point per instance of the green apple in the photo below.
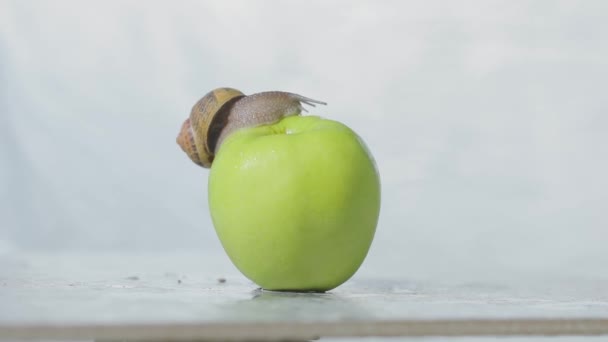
(295, 204)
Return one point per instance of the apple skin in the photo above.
(295, 204)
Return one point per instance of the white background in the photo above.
(488, 121)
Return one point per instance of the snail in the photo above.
(225, 110)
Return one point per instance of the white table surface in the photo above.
(82, 296)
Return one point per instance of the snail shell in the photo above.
(193, 137)
(225, 110)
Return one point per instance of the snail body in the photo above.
(225, 110)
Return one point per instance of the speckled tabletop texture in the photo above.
(202, 297)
